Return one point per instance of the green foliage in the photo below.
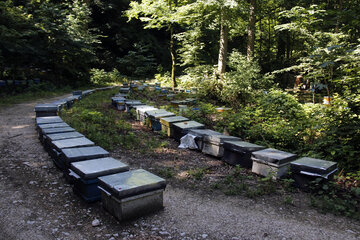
(94, 118)
(244, 82)
(330, 197)
(101, 77)
(140, 62)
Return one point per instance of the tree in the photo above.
(251, 30)
(158, 14)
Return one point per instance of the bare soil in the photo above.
(37, 203)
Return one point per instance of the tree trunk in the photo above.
(251, 30)
(173, 58)
(224, 32)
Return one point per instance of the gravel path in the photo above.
(36, 203)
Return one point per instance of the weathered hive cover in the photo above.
(65, 135)
(46, 120)
(78, 92)
(200, 133)
(151, 112)
(218, 139)
(131, 183)
(47, 107)
(168, 120)
(189, 124)
(81, 153)
(98, 167)
(242, 146)
(73, 142)
(57, 130)
(313, 165)
(274, 156)
(53, 125)
(158, 115)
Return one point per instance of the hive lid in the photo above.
(274, 156)
(200, 133)
(144, 108)
(313, 165)
(131, 183)
(158, 115)
(72, 98)
(59, 102)
(46, 107)
(242, 146)
(149, 112)
(65, 135)
(189, 125)
(53, 125)
(82, 153)
(73, 142)
(46, 120)
(98, 167)
(218, 139)
(57, 130)
(173, 119)
(120, 99)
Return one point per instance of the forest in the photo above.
(243, 54)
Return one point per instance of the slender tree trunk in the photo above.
(251, 30)
(173, 57)
(224, 32)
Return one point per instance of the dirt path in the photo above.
(36, 203)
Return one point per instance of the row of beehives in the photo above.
(94, 174)
(263, 161)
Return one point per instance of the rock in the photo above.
(204, 236)
(182, 234)
(164, 233)
(95, 222)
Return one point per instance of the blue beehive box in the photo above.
(59, 136)
(155, 118)
(70, 155)
(56, 148)
(132, 194)
(2, 83)
(46, 110)
(86, 173)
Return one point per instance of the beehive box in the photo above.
(44, 132)
(182, 128)
(239, 153)
(155, 119)
(56, 148)
(60, 136)
(150, 112)
(141, 112)
(142, 108)
(70, 155)
(86, 173)
(60, 103)
(46, 110)
(167, 124)
(132, 194)
(77, 93)
(116, 99)
(124, 90)
(213, 144)
(42, 127)
(271, 162)
(47, 120)
(200, 134)
(129, 104)
(306, 169)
